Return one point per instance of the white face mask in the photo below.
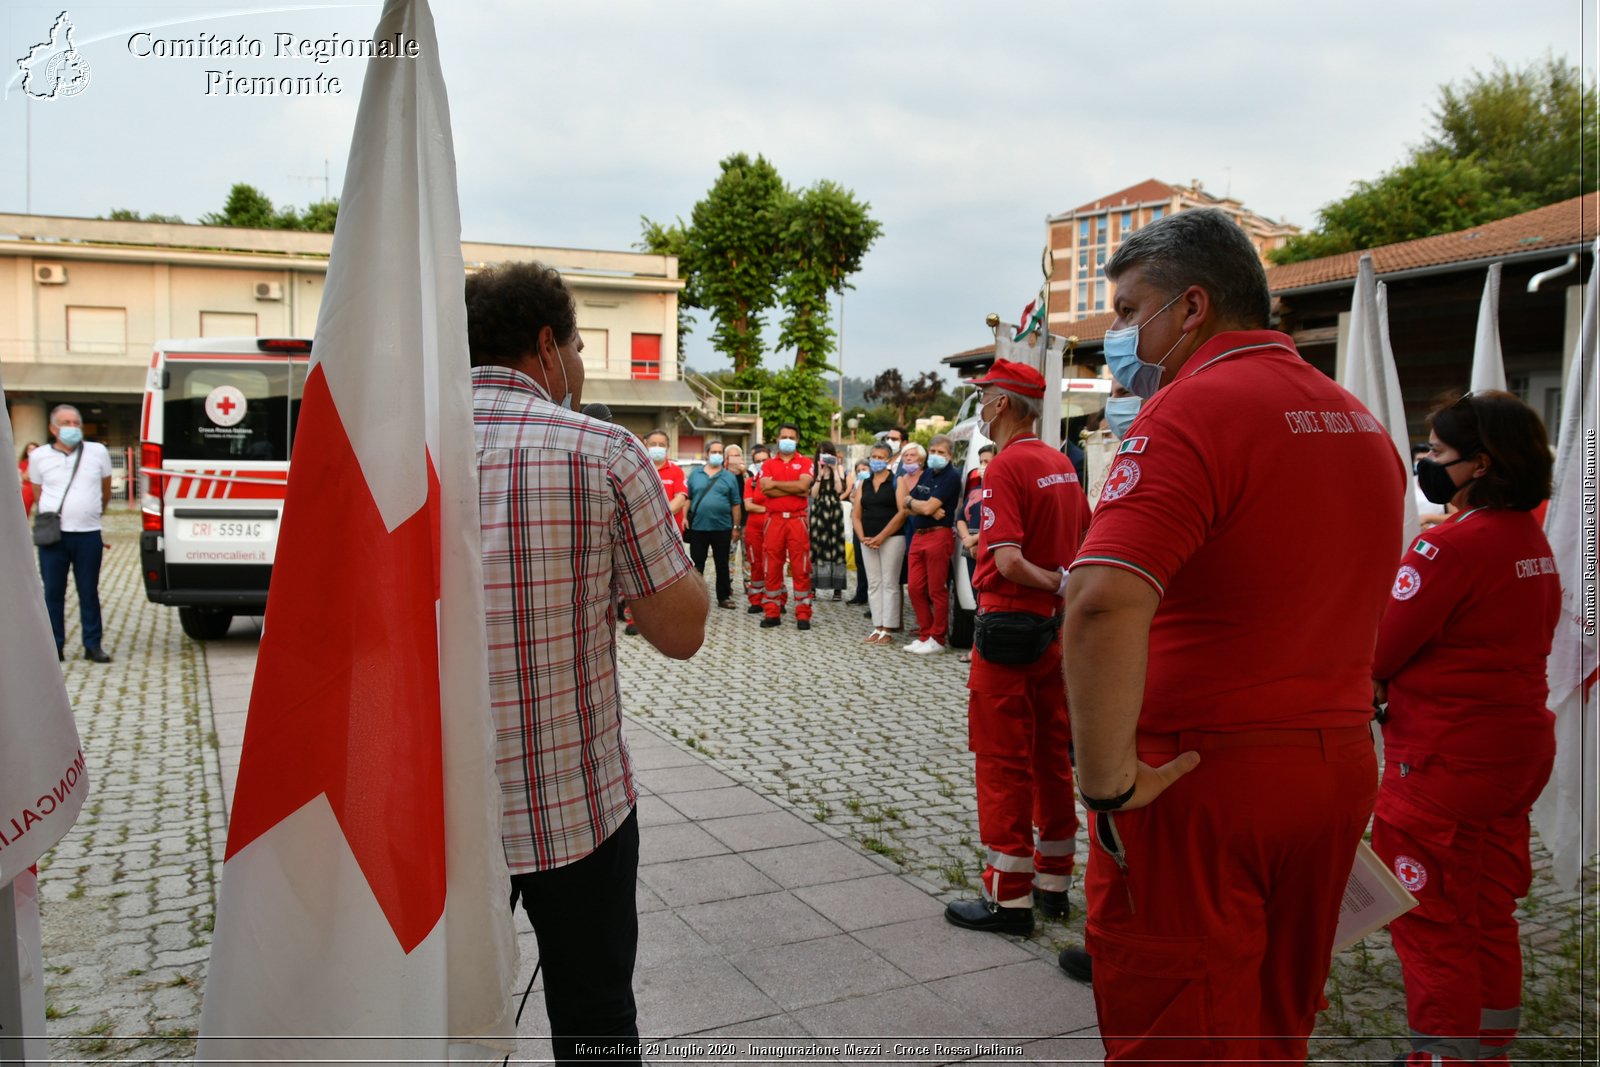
(657, 453)
(566, 397)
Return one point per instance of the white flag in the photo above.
(1369, 373)
(1488, 365)
(1565, 813)
(42, 776)
(364, 910)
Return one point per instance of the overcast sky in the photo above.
(963, 124)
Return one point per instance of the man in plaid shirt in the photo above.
(571, 508)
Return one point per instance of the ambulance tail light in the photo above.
(154, 487)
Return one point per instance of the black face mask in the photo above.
(1434, 479)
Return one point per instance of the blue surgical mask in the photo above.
(71, 436)
(862, 476)
(878, 465)
(937, 462)
(910, 468)
(714, 460)
(656, 453)
(1122, 356)
(786, 445)
(1120, 413)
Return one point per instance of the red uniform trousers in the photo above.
(1017, 726)
(928, 580)
(1212, 911)
(755, 559)
(787, 537)
(1457, 837)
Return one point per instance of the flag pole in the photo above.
(22, 1019)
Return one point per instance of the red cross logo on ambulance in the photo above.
(1120, 482)
(1412, 874)
(225, 405)
(1406, 583)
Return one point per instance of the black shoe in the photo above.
(1052, 902)
(986, 915)
(867, 613)
(1078, 964)
(97, 655)
(631, 630)
(724, 603)
(753, 609)
(767, 624)
(803, 624)
(857, 600)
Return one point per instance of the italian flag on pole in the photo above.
(364, 904)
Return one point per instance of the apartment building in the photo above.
(1083, 239)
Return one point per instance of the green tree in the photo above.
(826, 234)
(1527, 128)
(122, 214)
(798, 395)
(249, 207)
(909, 402)
(1503, 142)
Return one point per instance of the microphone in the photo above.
(597, 410)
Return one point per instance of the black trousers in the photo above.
(586, 918)
(860, 596)
(720, 542)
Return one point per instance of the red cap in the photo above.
(1014, 377)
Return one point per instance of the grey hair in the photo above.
(1028, 407)
(941, 439)
(1203, 247)
(881, 447)
(59, 408)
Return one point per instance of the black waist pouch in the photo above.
(1014, 638)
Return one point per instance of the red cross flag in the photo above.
(1565, 814)
(364, 904)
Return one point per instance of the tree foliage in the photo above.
(753, 244)
(916, 398)
(122, 214)
(249, 207)
(1503, 142)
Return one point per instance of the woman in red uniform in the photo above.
(1468, 741)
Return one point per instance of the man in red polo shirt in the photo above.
(755, 525)
(786, 482)
(1218, 661)
(1034, 516)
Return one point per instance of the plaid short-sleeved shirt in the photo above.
(571, 508)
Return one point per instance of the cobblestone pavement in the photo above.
(870, 742)
(127, 898)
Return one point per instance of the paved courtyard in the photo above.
(835, 771)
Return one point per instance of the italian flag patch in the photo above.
(1133, 446)
(1425, 549)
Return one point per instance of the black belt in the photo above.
(931, 529)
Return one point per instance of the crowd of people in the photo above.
(1201, 681)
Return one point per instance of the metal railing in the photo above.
(719, 404)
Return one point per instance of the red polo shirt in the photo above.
(786, 470)
(675, 485)
(1032, 501)
(1464, 640)
(1265, 621)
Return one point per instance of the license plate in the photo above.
(227, 529)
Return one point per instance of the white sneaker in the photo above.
(916, 646)
(929, 647)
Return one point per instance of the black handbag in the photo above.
(47, 524)
(1014, 638)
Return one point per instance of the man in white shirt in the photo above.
(74, 479)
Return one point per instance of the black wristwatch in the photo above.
(1110, 803)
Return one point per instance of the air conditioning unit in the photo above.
(269, 290)
(49, 274)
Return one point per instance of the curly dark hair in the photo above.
(1511, 434)
(507, 306)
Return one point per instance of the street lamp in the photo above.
(853, 423)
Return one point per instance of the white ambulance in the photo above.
(216, 434)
